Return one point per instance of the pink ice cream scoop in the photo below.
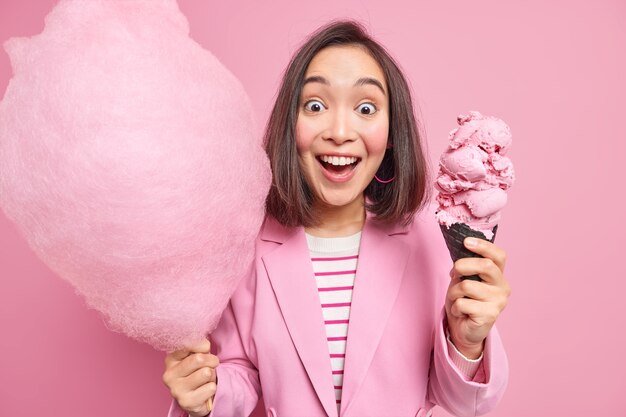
(474, 174)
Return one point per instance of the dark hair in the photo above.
(290, 199)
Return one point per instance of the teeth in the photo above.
(338, 160)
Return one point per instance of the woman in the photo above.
(348, 310)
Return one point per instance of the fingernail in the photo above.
(471, 242)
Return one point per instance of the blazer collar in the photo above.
(382, 260)
(290, 272)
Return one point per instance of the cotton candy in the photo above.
(130, 162)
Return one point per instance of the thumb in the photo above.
(202, 346)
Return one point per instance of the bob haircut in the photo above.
(290, 199)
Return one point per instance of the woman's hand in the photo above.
(191, 378)
(472, 307)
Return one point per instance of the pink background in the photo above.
(553, 70)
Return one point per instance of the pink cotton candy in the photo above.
(130, 162)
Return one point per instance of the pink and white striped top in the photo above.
(334, 264)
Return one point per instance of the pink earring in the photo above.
(382, 181)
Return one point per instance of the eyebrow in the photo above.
(359, 82)
(370, 81)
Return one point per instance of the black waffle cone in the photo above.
(454, 237)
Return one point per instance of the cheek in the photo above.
(377, 135)
(304, 136)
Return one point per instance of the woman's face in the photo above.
(343, 124)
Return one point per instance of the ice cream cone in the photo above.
(454, 237)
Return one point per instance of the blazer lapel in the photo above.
(291, 275)
(382, 261)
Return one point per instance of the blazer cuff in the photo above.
(459, 363)
(458, 395)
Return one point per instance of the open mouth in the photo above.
(338, 165)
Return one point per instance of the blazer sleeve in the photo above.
(238, 386)
(447, 386)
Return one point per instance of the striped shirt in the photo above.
(334, 264)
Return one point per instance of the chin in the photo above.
(342, 200)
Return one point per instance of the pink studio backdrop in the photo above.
(554, 71)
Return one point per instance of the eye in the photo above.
(314, 106)
(366, 108)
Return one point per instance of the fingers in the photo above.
(190, 366)
(193, 372)
(196, 361)
(471, 289)
(479, 312)
(200, 377)
(479, 291)
(191, 376)
(474, 306)
(485, 268)
(487, 250)
(196, 379)
(464, 306)
(489, 268)
(195, 401)
(203, 346)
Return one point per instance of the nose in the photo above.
(341, 127)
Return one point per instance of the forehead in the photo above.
(345, 61)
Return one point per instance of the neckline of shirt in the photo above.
(333, 244)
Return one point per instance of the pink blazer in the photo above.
(271, 339)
